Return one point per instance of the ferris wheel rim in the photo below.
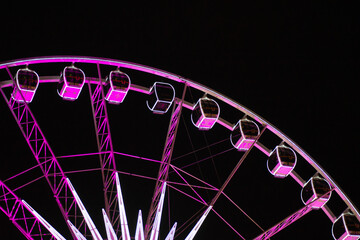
(190, 83)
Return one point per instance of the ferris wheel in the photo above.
(115, 149)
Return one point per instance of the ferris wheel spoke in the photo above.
(106, 150)
(227, 223)
(221, 190)
(25, 218)
(290, 219)
(247, 215)
(199, 149)
(231, 175)
(44, 155)
(187, 184)
(165, 162)
(209, 186)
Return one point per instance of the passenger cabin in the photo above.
(161, 97)
(205, 113)
(346, 227)
(116, 87)
(316, 190)
(72, 80)
(26, 83)
(244, 134)
(282, 161)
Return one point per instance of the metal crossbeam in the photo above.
(28, 223)
(105, 147)
(47, 161)
(165, 163)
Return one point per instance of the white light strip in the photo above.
(139, 234)
(52, 230)
(78, 234)
(171, 234)
(124, 225)
(110, 233)
(156, 226)
(89, 222)
(198, 224)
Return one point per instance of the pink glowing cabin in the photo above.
(161, 97)
(346, 227)
(316, 190)
(282, 161)
(26, 83)
(117, 86)
(72, 80)
(244, 134)
(205, 113)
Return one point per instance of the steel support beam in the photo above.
(105, 147)
(46, 160)
(165, 163)
(30, 224)
(284, 223)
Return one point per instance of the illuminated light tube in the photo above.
(89, 222)
(123, 220)
(171, 234)
(198, 224)
(156, 225)
(139, 233)
(110, 232)
(50, 228)
(78, 234)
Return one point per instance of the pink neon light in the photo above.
(139, 233)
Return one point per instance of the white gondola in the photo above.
(205, 114)
(117, 86)
(161, 97)
(282, 161)
(26, 84)
(346, 227)
(244, 134)
(316, 190)
(72, 80)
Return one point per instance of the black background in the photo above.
(294, 64)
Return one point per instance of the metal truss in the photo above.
(47, 161)
(289, 220)
(31, 225)
(105, 147)
(165, 163)
(284, 223)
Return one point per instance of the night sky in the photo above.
(296, 65)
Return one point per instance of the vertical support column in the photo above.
(105, 147)
(165, 161)
(30, 223)
(47, 161)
